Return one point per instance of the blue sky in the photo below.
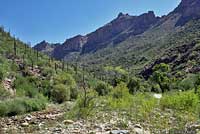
(57, 20)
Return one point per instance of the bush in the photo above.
(3, 93)
(65, 79)
(120, 91)
(120, 97)
(25, 88)
(133, 85)
(60, 93)
(84, 106)
(73, 93)
(21, 106)
(180, 101)
(102, 88)
(1, 76)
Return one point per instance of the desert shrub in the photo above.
(156, 88)
(120, 97)
(63, 85)
(65, 79)
(186, 84)
(1, 75)
(24, 87)
(45, 88)
(73, 93)
(48, 72)
(162, 77)
(180, 101)
(143, 104)
(85, 105)
(14, 67)
(3, 93)
(120, 91)
(60, 93)
(102, 88)
(133, 85)
(21, 106)
(35, 104)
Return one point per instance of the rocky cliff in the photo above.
(114, 32)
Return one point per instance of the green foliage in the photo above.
(1, 75)
(102, 88)
(66, 79)
(60, 93)
(162, 68)
(64, 88)
(116, 75)
(119, 97)
(25, 87)
(81, 110)
(133, 85)
(161, 76)
(21, 106)
(187, 101)
(187, 83)
(3, 93)
(74, 93)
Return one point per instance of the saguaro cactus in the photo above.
(63, 65)
(15, 47)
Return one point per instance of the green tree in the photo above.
(60, 93)
(102, 88)
(161, 76)
(133, 85)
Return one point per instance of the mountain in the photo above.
(46, 47)
(188, 9)
(134, 42)
(116, 31)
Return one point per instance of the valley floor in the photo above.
(53, 121)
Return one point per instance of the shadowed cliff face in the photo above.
(71, 45)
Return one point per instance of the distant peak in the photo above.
(151, 12)
(122, 15)
(44, 41)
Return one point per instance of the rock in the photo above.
(28, 118)
(57, 130)
(157, 96)
(119, 132)
(139, 130)
(25, 124)
(68, 122)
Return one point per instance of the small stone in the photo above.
(25, 124)
(28, 118)
(68, 122)
(57, 130)
(119, 132)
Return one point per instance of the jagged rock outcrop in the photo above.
(74, 44)
(188, 9)
(118, 30)
(175, 57)
(45, 47)
(114, 32)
